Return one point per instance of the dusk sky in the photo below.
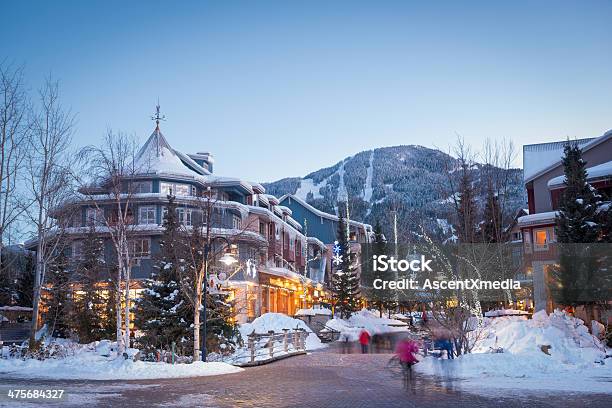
(279, 89)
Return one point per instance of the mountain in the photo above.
(412, 181)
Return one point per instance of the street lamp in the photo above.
(228, 259)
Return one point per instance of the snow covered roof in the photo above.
(600, 171)
(156, 156)
(284, 273)
(273, 199)
(294, 223)
(285, 210)
(537, 218)
(317, 241)
(320, 213)
(257, 188)
(543, 157)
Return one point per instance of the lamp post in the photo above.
(227, 259)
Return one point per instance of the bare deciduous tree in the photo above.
(109, 189)
(14, 130)
(48, 181)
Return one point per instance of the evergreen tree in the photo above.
(579, 280)
(491, 226)
(89, 304)
(25, 282)
(577, 219)
(466, 207)
(345, 281)
(222, 335)
(380, 298)
(108, 327)
(162, 314)
(57, 316)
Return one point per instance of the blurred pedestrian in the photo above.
(364, 340)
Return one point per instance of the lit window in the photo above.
(146, 215)
(540, 237)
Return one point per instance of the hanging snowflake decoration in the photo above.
(336, 249)
(337, 259)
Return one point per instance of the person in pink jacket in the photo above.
(406, 352)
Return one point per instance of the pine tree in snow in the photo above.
(345, 281)
(58, 292)
(576, 222)
(580, 280)
(162, 314)
(89, 303)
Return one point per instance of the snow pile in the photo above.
(549, 352)
(90, 362)
(276, 322)
(368, 320)
(569, 339)
(505, 312)
(313, 312)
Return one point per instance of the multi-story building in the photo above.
(324, 227)
(273, 273)
(544, 180)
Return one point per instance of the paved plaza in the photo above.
(320, 379)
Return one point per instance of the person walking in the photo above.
(406, 352)
(364, 340)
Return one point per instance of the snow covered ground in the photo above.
(368, 320)
(575, 361)
(91, 363)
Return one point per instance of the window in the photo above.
(182, 189)
(146, 215)
(277, 231)
(140, 248)
(541, 239)
(262, 228)
(142, 187)
(527, 243)
(194, 191)
(236, 222)
(77, 250)
(94, 216)
(176, 189)
(184, 216)
(166, 188)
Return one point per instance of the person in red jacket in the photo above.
(364, 340)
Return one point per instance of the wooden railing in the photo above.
(262, 348)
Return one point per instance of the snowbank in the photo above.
(277, 322)
(313, 312)
(368, 320)
(574, 360)
(89, 363)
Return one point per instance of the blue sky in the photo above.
(278, 89)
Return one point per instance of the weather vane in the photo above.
(158, 116)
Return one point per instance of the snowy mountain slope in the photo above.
(411, 180)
